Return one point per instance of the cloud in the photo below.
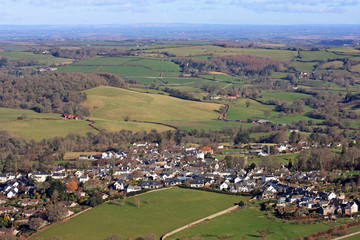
(284, 6)
(296, 6)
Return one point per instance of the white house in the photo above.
(40, 177)
(84, 178)
(119, 185)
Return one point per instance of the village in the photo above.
(34, 200)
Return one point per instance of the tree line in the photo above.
(240, 65)
(52, 92)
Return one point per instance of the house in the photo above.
(28, 202)
(151, 185)
(9, 209)
(223, 186)
(197, 183)
(29, 213)
(59, 175)
(70, 116)
(119, 185)
(6, 231)
(172, 181)
(268, 177)
(133, 189)
(206, 150)
(68, 204)
(40, 177)
(84, 178)
(328, 210)
(7, 177)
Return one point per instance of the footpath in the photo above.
(198, 221)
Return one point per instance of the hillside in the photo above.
(110, 107)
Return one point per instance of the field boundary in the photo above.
(198, 222)
(346, 236)
(77, 214)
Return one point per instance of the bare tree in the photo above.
(137, 202)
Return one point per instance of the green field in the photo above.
(160, 212)
(7, 114)
(356, 68)
(43, 59)
(114, 104)
(83, 69)
(286, 96)
(332, 65)
(246, 223)
(39, 125)
(129, 71)
(39, 129)
(216, 50)
(16, 48)
(255, 110)
(127, 66)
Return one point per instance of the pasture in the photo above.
(110, 105)
(207, 50)
(159, 212)
(42, 59)
(7, 114)
(247, 222)
(127, 66)
(285, 96)
(39, 129)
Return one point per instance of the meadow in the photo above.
(217, 50)
(159, 212)
(42, 59)
(32, 125)
(39, 129)
(246, 223)
(286, 96)
(127, 66)
(110, 106)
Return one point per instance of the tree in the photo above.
(247, 103)
(241, 203)
(267, 114)
(279, 137)
(71, 186)
(114, 237)
(56, 212)
(137, 202)
(264, 233)
(36, 223)
(242, 137)
(95, 200)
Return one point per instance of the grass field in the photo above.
(160, 212)
(39, 129)
(114, 104)
(83, 69)
(7, 114)
(303, 66)
(216, 50)
(43, 59)
(246, 223)
(241, 112)
(356, 68)
(332, 65)
(256, 110)
(286, 96)
(126, 66)
(317, 55)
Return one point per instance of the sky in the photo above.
(261, 12)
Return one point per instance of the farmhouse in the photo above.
(70, 116)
